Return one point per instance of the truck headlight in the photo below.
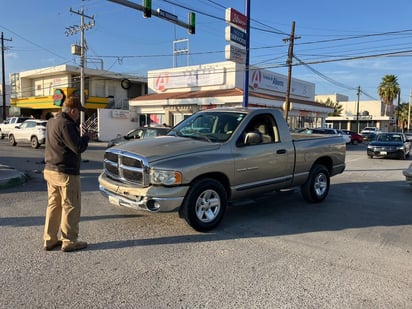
(164, 177)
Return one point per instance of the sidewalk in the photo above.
(10, 177)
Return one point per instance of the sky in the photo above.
(339, 45)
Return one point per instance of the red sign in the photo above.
(236, 18)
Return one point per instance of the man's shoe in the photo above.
(54, 246)
(74, 246)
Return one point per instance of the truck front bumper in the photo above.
(154, 199)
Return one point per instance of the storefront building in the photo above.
(176, 93)
(37, 92)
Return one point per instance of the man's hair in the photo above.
(72, 102)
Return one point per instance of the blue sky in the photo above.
(366, 33)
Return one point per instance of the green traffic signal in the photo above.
(192, 23)
(147, 8)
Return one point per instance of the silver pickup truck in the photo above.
(217, 156)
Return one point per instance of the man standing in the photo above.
(62, 173)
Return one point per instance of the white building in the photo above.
(357, 115)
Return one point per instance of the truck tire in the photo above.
(204, 205)
(316, 187)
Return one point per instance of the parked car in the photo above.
(368, 130)
(138, 133)
(9, 124)
(355, 138)
(31, 131)
(408, 174)
(389, 145)
(345, 136)
(368, 137)
(329, 131)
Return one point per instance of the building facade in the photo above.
(357, 115)
(176, 93)
(35, 92)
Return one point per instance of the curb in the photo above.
(9, 177)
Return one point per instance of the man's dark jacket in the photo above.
(64, 145)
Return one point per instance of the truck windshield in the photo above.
(215, 127)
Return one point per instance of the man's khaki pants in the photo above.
(64, 206)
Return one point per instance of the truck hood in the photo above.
(161, 147)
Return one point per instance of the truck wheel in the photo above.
(204, 205)
(34, 142)
(1, 135)
(12, 141)
(316, 187)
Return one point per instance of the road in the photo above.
(354, 250)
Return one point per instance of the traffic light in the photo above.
(192, 23)
(147, 8)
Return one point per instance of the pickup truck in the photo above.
(9, 124)
(218, 156)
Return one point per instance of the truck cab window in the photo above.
(264, 129)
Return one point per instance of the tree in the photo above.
(336, 106)
(388, 90)
(402, 114)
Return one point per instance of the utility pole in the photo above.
(3, 75)
(357, 110)
(72, 30)
(397, 111)
(291, 41)
(181, 51)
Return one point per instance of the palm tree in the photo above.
(388, 90)
(337, 108)
(402, 114)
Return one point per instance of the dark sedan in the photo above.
(394, 145)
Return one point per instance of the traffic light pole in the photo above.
(148, 12)
(246, 81)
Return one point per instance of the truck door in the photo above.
(266, 164)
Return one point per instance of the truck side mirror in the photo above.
(253, 138)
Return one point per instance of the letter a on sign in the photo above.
(161, 82)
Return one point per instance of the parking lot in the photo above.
(354, 250)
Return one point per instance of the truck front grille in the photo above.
(126, 167)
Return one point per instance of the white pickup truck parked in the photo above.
(9, 124)
(217, 156)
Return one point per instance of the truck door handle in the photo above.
(281, 151)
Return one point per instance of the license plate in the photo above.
(114, 200)
(384, 153)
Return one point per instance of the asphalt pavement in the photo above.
(10, 176)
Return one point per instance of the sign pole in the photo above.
(246, 82)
